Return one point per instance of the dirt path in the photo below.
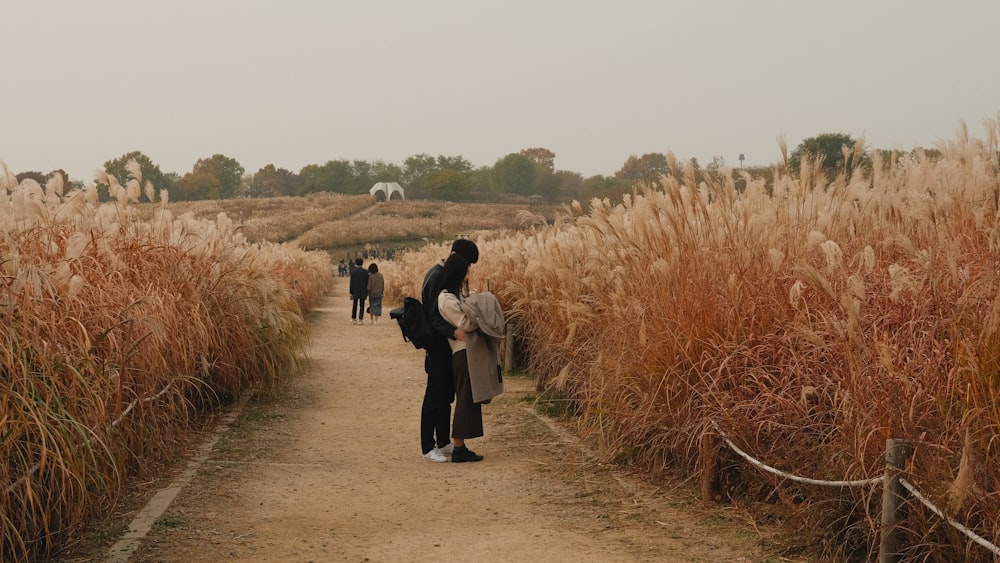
(329, 469)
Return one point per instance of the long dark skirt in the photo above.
(375, 303)
(468, 421)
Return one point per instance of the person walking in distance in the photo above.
(376, 288)
(435, 412)
(359, 291)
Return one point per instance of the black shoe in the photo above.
(464, 454)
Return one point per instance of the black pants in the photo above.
(358, 308)
(435, 413)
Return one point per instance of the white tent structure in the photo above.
(386, 189)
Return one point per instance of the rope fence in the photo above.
(136, 402)
(27, 475)
(789, 476)
(896, 454)
(968, 533)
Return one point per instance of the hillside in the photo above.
(336, 221)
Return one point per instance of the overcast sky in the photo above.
(298, 82)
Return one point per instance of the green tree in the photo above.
(930, 154)
(316, 178)
(542, 157)
(457, 163)
(197, 186)
(514, 173)
(386, 172)
(227, 171)
(829, 150)
(43, 179)
(610, 187)
(479, 182)
(344, 176)
(417, 168)
(150, 173)
(546, 182)
(645, 168)
(367, 174)
(446, 184)
(36, 176)
(334, 176)
(569, 186)
(67, 184)
(547, 185)
(363, 177)
(270, 181)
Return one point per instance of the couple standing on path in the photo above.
(448, 357)
(368, 284)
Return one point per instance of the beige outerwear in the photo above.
(481, 317)
(483, 346)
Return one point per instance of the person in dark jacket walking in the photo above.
(435, 413)
(359, 291)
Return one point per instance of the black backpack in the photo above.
(414, 324)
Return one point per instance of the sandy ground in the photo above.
(329, 469)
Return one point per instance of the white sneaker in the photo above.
(435, 455)
(447, 450)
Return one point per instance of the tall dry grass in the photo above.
(118, 336)
(810, 319)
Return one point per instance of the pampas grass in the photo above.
(810, 318)
(119, 336)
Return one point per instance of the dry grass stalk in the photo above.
(811, 318)
(118, 335)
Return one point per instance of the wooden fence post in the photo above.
(710, 487)
(508, 355)
(897, 452)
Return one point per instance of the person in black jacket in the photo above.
(435, 413)
(359, 291)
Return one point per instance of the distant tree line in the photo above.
(529, 173)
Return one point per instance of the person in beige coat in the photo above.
(483, 346)
(468, 419)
